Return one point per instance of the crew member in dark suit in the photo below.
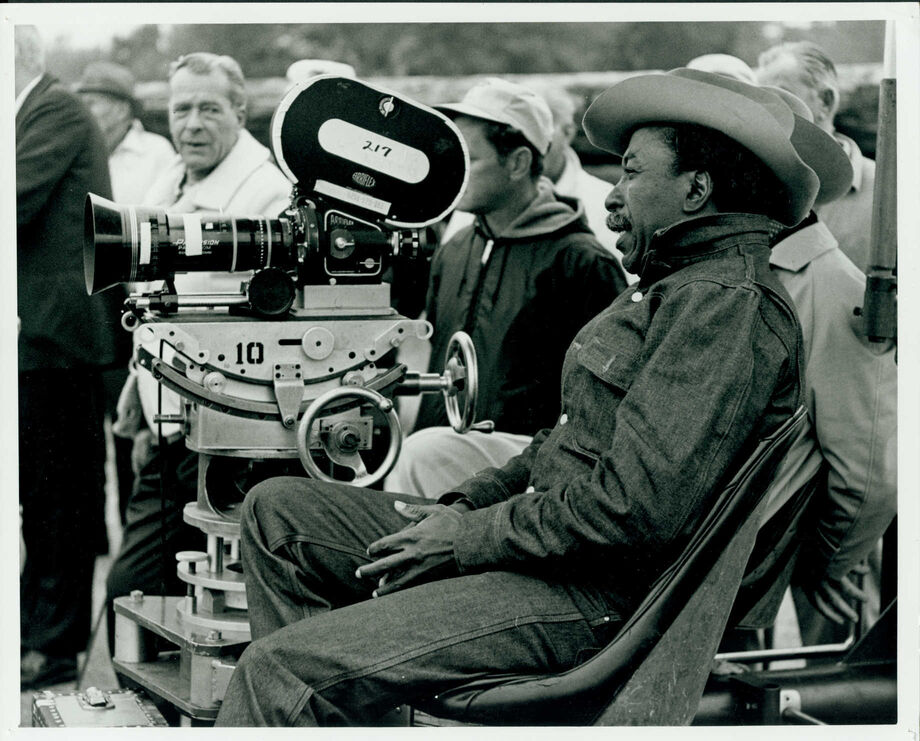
(66, 338)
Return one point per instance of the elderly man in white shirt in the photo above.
(805, 70)
(220, 167)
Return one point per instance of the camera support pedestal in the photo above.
(206, 630)
(192, 675)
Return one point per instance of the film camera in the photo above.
(295, 363)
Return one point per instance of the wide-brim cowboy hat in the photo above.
(752, 116)
(819, 150)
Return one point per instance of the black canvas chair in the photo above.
(654, 671)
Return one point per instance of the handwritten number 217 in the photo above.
(371, 147)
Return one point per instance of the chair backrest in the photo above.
(773, 558)
(654, 670)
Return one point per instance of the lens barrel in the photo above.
(136, 243)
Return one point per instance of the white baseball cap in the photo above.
(511, 104)
(304, 69)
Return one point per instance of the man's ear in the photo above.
(518, 163)
(241, 115)
(125, 112)
(699, 191)
(569, 129)
(830, 100)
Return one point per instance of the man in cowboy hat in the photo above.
(664, 393)
(136, 156)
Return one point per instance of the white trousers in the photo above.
(435, 459)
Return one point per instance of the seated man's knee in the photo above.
(277, 502)
(264, 495)
(422, 462)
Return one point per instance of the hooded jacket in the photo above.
(521, 295)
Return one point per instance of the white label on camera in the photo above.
(352, 196)
(144, 257)
(192, 224)
(372, 150)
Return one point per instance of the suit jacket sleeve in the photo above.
(46, 147)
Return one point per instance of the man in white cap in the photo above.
(804, 69)
(522, 569)
(136, 156)
(525, 276)
(562, 166)
(436, 458)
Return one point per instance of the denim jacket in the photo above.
(664, 394)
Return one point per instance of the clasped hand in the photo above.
(831, 596)
(423, 551)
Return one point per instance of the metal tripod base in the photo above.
(192, 674)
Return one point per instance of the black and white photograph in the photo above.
(421, 365)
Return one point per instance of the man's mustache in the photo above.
(617, 221)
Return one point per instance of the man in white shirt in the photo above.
(220, 167)
(136, 156)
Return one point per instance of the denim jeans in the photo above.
(326, 654)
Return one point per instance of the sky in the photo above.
(89, 35)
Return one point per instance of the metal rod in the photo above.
(218, 563)
(196, 300)
(795, 652)
(879, 310)
(797, 717)
(422, 383)
(213, 547)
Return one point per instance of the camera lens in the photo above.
(135, 243)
